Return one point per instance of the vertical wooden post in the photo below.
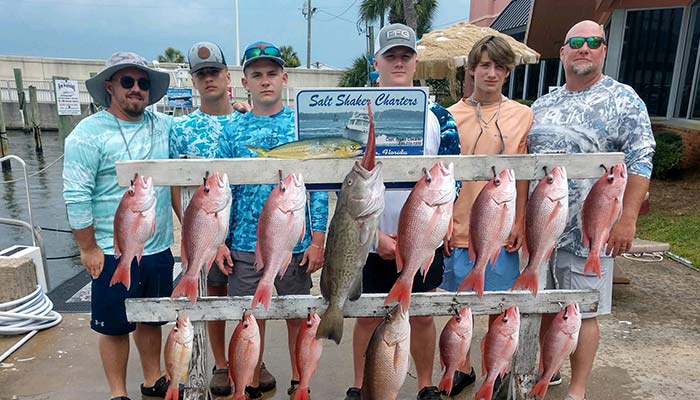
(36, 119)
(93, 107)
(197, 386)
(64, 122)
(4, 143)
(21, 98)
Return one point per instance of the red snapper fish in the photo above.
(491, 221)
(545, 220)
(556, 346)
(424, 222)
(455, 341)
(204, 229)
(243, 354)
(308, 351)
(280, 228)
(177, 355)
(497, 349)
(134, 223)
(601, 210)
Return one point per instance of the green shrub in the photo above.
(669, 151)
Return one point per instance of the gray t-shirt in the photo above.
(606, 117)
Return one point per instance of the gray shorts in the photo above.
(244, 279)
(216, 277)
(569, 271)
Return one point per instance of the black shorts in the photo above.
(379, 275)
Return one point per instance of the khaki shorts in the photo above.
(244, 279)
(569, 271)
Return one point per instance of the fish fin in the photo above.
(446, 381)
(426, 266)
(188, 287)
(183, 254)
(122, 274)
(263, 294)
(450, 228)
(261, 152)
(472, 252)
(593, 262)
(528, 279)
(325, 284)
(474, 282)
(138, 255)
(356, 289)
(540, 388)
(434, 219)
(495, 257)
(117, 251)
(399, 259)
(485, 391)
(303, 231)
(365, 232)
(401, 292)
(258, 263)
(483, 352)
(302, 393)
(331, 325)
(210, 262)
(283, 270)
(172, 393)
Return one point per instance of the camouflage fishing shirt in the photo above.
(248, 200)
(197, 134)
(606, 117)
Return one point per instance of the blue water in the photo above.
(47, 203)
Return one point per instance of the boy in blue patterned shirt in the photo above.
(267, 125)
(196, 135)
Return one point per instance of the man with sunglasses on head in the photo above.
(488, 123)
(196, 136)
(592, 113)
(125, 130)
(396, 62)
(267, 125)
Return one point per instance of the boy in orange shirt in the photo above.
(488, 123)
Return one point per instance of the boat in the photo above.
(357, 127)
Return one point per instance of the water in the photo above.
(48, 207)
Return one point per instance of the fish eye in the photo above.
(349, 182)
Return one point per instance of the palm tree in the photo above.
(371, 10)
(290, 57)
(356, 76)
(424, 10)
(172, 56)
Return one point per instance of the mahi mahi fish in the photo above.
(353, 229)
(323, 147)
(134, 223)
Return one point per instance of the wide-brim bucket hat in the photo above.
(118, 61)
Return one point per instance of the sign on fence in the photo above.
(179, 97)
(67, 97)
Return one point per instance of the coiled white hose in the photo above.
(27, 315)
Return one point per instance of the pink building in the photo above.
(483, 12)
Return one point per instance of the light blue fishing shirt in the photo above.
(90, 187)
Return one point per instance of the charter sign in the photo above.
(398, 114)
(67, 97)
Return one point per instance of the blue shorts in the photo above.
(153, 278)
(501, 277)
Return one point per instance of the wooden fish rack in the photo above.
(188, 175)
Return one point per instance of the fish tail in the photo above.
(261, 152)
(331, 325)
(188, 287)
(485, 391)
(401, 292)
(239, 397)
(263, 294)
(446, 381)
(172, 393)
(592, 263)
(540, 388)
(474, 282)
(302, 393)
(527, 280)
(122, 274)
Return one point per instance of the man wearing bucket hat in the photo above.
(396, 62)
(196, 135)
(267, 125)
(124, 130)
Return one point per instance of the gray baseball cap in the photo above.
(395, 35)
(205, 55)
(117, 62)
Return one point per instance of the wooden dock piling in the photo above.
(4, 142)
(36, 119)
(21, 98)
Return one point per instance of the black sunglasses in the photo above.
(127, 82)
(577, 42)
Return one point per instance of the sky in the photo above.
(94, 29)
